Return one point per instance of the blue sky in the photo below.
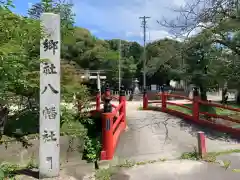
(109, 19)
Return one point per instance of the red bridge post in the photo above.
(98, 99)
(201, 144)
(195, 110)
(107, 130)
(145, 99)
(122, 98)
(164, 98)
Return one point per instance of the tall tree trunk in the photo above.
(3, 119)
(224, 95)
(96, 164)
(203, 93)
(205, 108)
(238, 97)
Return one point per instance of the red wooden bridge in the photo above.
(190, 109)
(114, 118)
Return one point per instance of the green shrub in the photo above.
(92, 141)
(8, 171)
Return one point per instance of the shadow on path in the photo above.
(209, 133)
(28, 172)
(152, 135)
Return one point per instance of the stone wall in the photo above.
(15, 153)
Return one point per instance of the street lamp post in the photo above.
(119, 65)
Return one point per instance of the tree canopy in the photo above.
(208, 59)
(201, 55)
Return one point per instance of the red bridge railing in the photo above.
(113, 119)
(224, 123)
(113, 123)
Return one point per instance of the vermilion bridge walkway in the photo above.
(153, 135)
(131, 133)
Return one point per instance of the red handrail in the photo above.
(116, 135)
(117, 109)
(112, 130)
(221, 116)
(115, 98)
(218, 105)
(180, 105)
(195, 111)
(115, 124)
(178, 96)
(155, 101)
(114, 106)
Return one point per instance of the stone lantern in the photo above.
(136, 87)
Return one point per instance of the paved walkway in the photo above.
(152, 135)
(178, 170)
(156, 135)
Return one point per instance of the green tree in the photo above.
(130, 60)
(218, 17)
(19, 52)
(164, 60)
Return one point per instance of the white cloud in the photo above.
(151, 35)
(122, 17)
(132, 34)
(154, 35)
(179, 2)
(200, 27)
(94, 31)
(30, 5)
(159, 34)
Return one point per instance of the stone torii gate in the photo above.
(98, 77)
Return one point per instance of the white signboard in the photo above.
(153, 87)
(49, 96)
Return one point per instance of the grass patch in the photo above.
(225, 152)
(9, 171)
(213, 110)
(226, 112)
(236, 170)
(140, 108)
(108, 173)
(209, 157)
(154, 108)
(181, 109)
(190, 155)
(129, 164)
